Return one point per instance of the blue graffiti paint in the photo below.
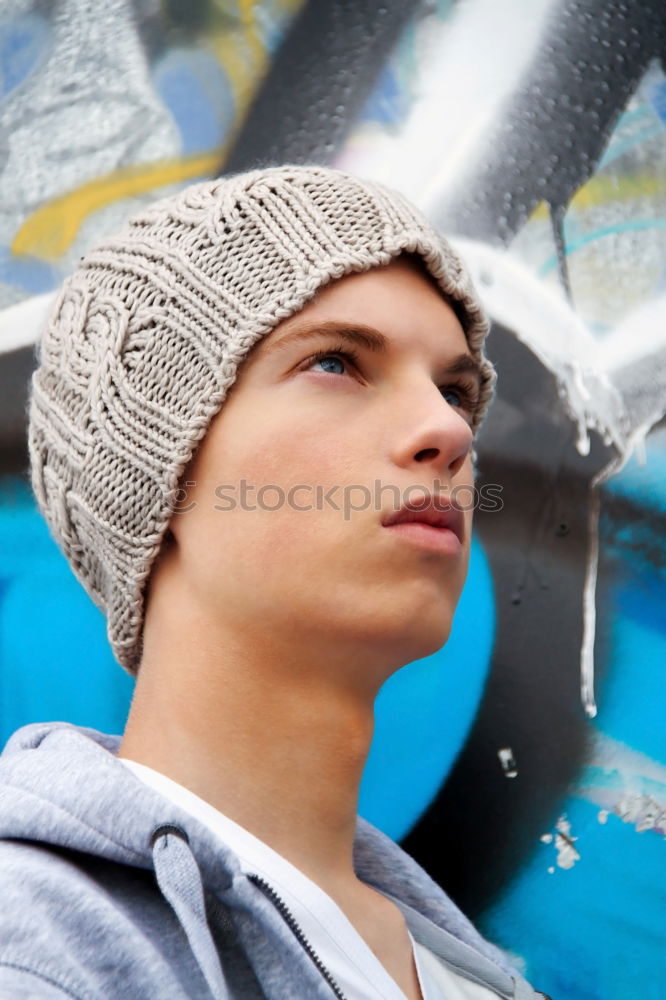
(424, 712)
(567, 919)
(271, 30)
(56, 661)
(658, 99)
(194, 88)
(633, 128)
(643, 483)
(23, 42)
(632, 709)
(646, 134)
(30, 275)
(387, 104)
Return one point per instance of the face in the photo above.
(363, 402)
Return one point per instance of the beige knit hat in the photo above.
(146, 337)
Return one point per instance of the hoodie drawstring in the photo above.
(179, 879)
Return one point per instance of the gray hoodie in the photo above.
(108, 890)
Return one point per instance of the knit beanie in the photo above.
(146, 337)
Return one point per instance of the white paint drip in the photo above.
(590, 587)
(541, 318)
(589, 602)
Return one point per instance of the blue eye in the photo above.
(459, 398)
(333, 362)
(328, 363)
(462, 397)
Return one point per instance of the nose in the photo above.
(431, 432)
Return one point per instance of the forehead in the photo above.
(409, 264)
(419, 266)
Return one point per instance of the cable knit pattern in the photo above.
(146, 337)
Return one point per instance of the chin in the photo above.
(423, 635)
(432, 642)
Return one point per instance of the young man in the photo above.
(253, 413)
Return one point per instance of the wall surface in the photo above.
(525, 764)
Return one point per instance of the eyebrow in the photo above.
(370, 339)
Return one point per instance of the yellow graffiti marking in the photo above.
(52, 229)
(601, 190)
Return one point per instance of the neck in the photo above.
(270, 733)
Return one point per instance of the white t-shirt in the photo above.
(351, 961)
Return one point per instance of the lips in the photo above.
(436, 511)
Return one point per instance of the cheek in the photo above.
(286, 452)
(272, 557)
(249, 544)
(262, 519)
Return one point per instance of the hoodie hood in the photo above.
(61, 785)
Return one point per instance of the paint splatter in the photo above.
(643, 811)
(508, 762)
(625, 783)
(567, 855)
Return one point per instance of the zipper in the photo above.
(290, 919)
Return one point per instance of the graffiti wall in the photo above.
(525, 764)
